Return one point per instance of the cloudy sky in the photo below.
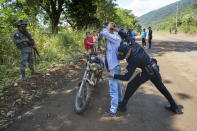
(140, 7)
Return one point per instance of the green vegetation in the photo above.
(72, 19)
(36, 94)
(164, 12)
(187, 21)
(1, 94)
(127, 20)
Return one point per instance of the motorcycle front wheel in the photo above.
(82, 100)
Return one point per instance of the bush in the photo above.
(53, 50)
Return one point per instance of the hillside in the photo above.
(164, 12)
(187, 21)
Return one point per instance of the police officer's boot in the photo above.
(34, 72)
(176, 109)
(122, 106)
(23, 75)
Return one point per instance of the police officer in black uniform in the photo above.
(150, 36)
(138, 58)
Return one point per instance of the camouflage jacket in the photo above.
(20, 41)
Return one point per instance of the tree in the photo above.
(127, 19)
(81, 13)
(53, 8)
(106, 11)
(139, 28)
(87, 13)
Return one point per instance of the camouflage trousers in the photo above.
(26, 57)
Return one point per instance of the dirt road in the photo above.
(178, 65)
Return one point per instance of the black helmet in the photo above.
(122, 51)
(105, 24)
(21, 22)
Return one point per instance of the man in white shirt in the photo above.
(113, 65)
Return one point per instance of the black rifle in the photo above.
(31, 43)
(36, 50)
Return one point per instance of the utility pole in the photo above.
(177, 16)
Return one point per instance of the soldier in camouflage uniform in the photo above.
(25, 45)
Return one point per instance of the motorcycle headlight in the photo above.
(93, 58)
(94, 66)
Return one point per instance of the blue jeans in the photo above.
(115, 90)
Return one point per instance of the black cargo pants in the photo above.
(142, 78)
(150, 42)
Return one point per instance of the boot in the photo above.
(176, 110)
(34, 72)
(23, 76)
(122, 107)
(109, 114)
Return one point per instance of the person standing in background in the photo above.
(95, 40)
(144, 38)
(95, 37)
(150, 32)
(170, 31)
(133, 34)
(175, 31)
(88, 43)
(100, 37)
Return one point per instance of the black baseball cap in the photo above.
(21, 22)
(122, 51)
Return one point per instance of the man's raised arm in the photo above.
(114, 38)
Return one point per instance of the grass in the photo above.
(1, 93)
(59, 50)
(36, 94)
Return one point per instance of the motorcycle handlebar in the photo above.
(83, 53)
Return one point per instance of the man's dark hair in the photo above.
(94, 31)
(87, 33)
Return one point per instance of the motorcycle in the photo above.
(92, 74)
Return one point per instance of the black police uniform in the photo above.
(150, 37)
(140, 59)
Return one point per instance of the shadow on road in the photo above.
(145, 112)
(167, 81)
(161, 47)
(183, 96)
